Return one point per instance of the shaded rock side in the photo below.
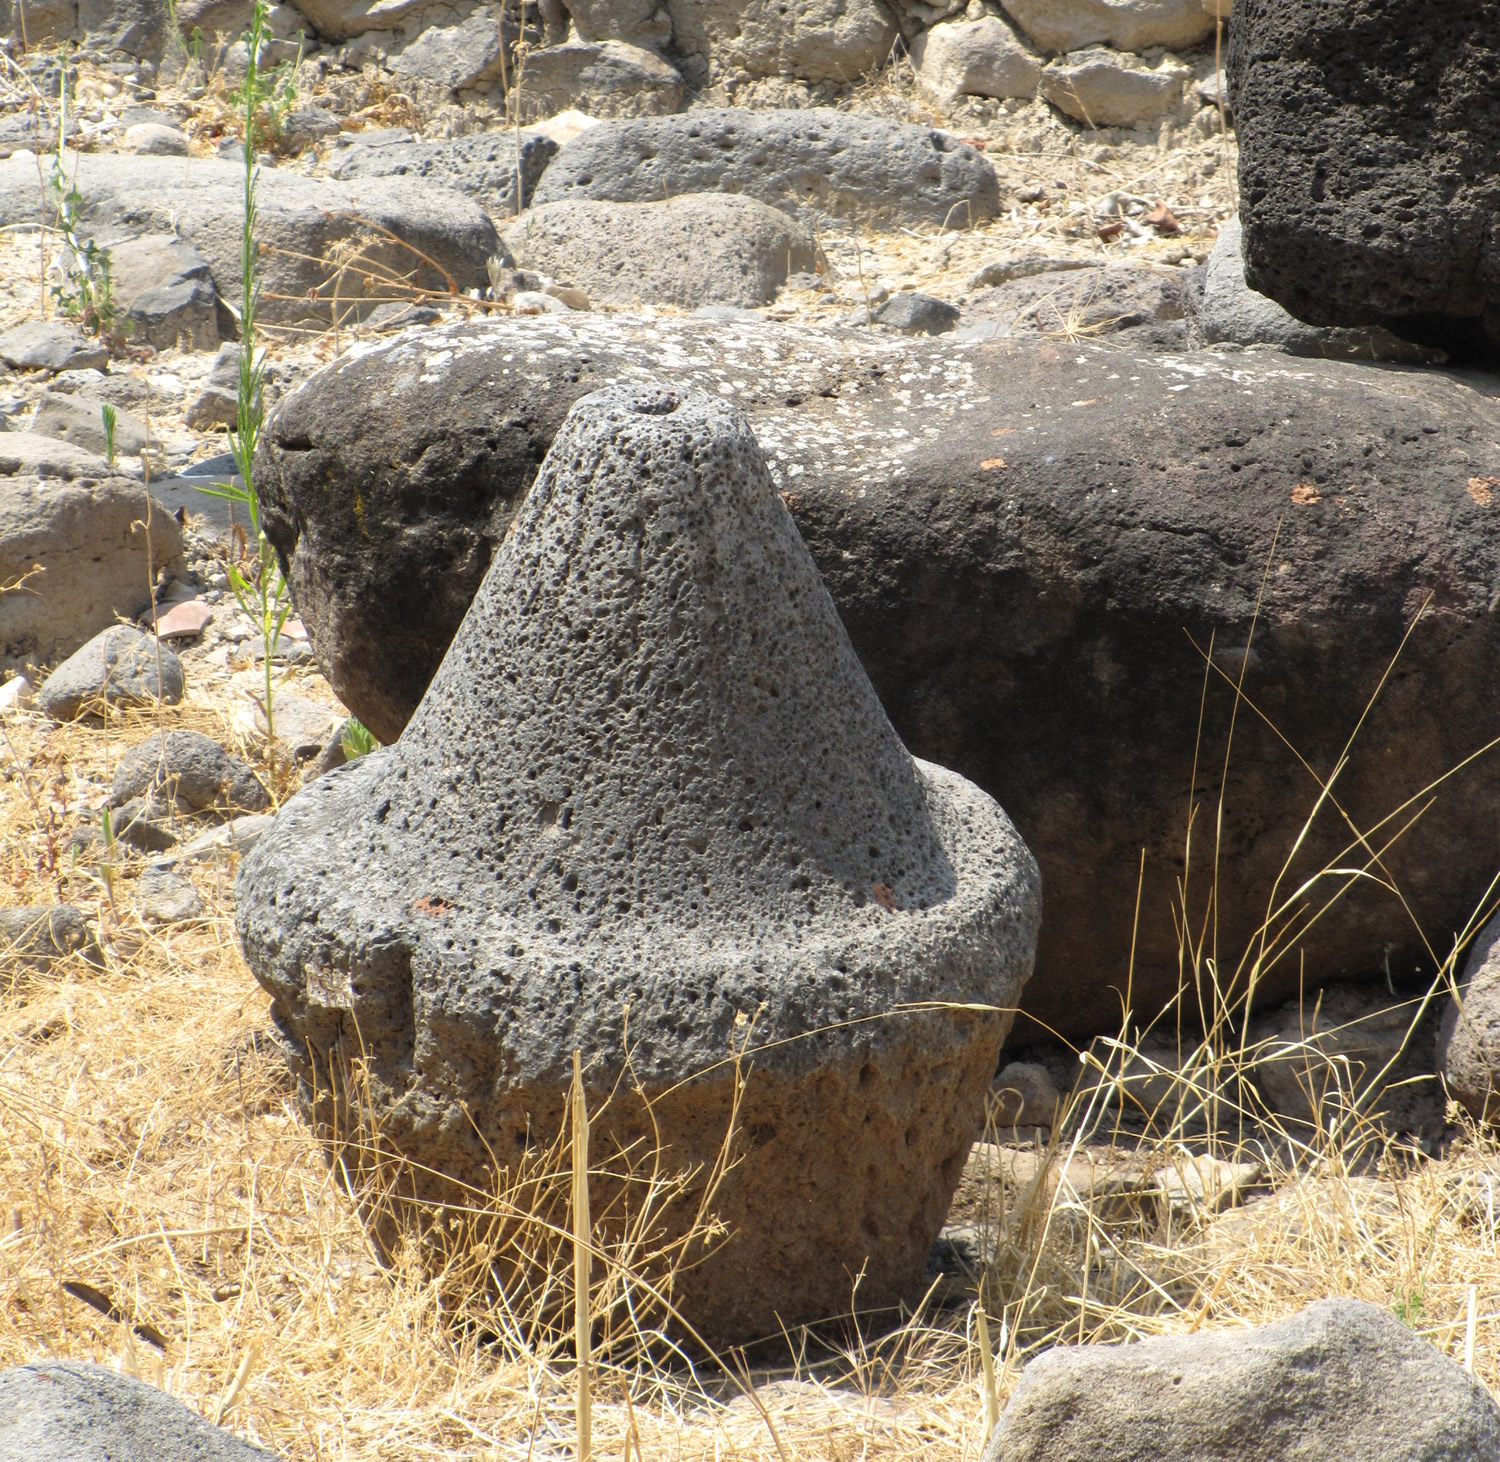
(1369, 189)
(865, 168)
(1033, 545)
(649, 806)
(93, 559)
(705, 248)
(1468, 1044)
(70, 1411)
(303, 221)
(1343, 1381)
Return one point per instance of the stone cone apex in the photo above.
(651, 810)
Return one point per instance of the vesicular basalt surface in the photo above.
(651, 810)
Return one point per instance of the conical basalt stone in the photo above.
(651, 810)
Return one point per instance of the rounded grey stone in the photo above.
(1342, 1381)
(120, 666)
(649, 806)
(70, 1411)
(190, 767)
(39, 935)
(867, 168)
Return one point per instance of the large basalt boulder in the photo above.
(870, 169)
(1342, 1381)
(1369, 181)
(649, 802)
(304, 222)
(1033, 545)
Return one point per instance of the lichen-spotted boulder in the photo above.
(651, 810)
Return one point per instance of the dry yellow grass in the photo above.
(150, 1151)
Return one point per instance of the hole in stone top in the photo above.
(550, 811)
(655, 403)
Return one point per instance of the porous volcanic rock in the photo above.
(1369, 186)
(871, 169)
(1342, 1381)
(650, 804)
(1033, 544)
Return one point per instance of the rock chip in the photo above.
(302, 220)
(152, 139)
(647, 800)
(79, 421)
(481, 165)
(602, 78)
(1112, 89)
(118, 667)
(165, 897)
(185, 620)
(982, 57)
(702, 248)
(1468, 1047)
(1367, 142)
(218, 403)
(37, 937)
(166, 290)
(49, 345)
(1342, 1381)
(1033, 543)
(1230, 311)
(1127, 25)
(83, 558)
(70, 1411)
(191, 769)
(913, 313)
(858, 167)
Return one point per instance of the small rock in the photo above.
(16, 695)
(141, 823)
(51, 345)
(1025, 1096)
(305, 127)
(1003, 271)
(117, 667)
(154, 140)
(1107, 88)
(237, 836)
(167, 292)
(455, 56)
(191, 769)
(165, 897)
(982, 57)
(1085, 303)
(302, 725)
(37, 937)
(70, 1411)
(535, 302)
(184, 621)
(1341, 1380)
(218, 403)
(917, 314)
(399, 315)
(79, 421)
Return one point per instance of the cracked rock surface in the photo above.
(651, 808)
